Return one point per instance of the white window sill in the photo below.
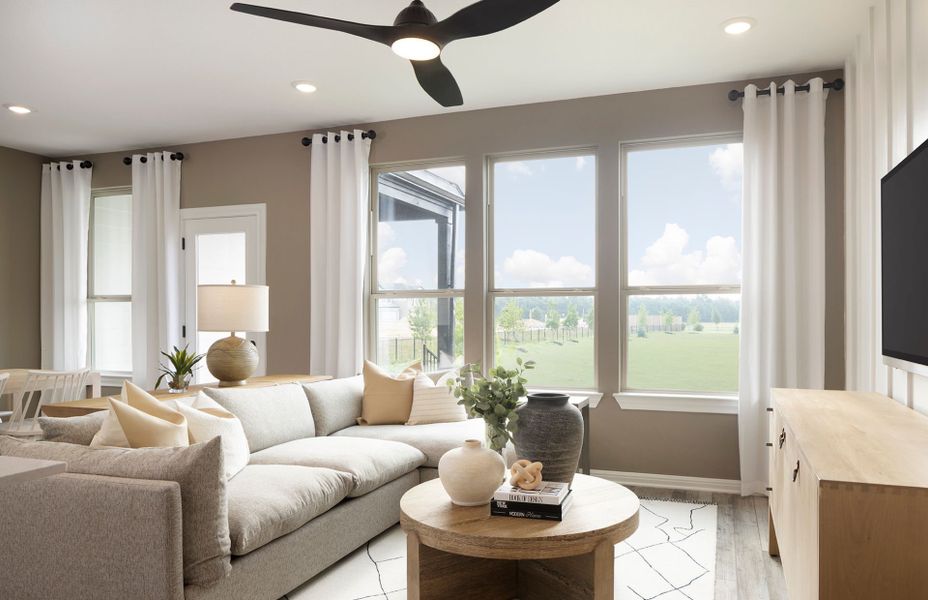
(689, 403)
(593, 397)
(114, 379)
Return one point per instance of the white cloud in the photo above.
(581, 162)
(389, 265)
(518, 167)
(728, 164)
(666, 261)
(530, 268)
(385, 234)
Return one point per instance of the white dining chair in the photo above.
(41, 388)
(4, 378)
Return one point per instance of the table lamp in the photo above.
(232, 360)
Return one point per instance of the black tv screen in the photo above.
(905, 259)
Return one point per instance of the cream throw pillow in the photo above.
(387, 399)
(207, 419)
(139, 420)
(433, 402)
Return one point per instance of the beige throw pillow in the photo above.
(139, 415)
(433, 402)
(207, 419)
(387, 399)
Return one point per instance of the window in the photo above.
(543, 276)
(109, 285)
(682, 271)
(417, 271)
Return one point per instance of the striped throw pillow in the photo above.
(433, 402)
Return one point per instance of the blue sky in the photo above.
(684, 222)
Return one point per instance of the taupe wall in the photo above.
(275, 169)
(20, 195)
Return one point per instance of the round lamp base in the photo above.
(232, 360)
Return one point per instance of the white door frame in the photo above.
(259, 213)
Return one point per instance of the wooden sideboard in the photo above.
(83, 407)
(849, 495)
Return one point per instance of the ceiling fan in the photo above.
(418, 36)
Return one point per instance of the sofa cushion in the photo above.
(371, 463)
(269, 501)
(433, 439)
(197, 468)
(387, 399)
(207, 419)
(270, 415)
(434, 402)
(335, 403)
(72, 430)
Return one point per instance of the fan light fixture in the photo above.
(304, 86)
(413, 48)
(738, 25)
(18, 109)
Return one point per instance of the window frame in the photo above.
(372, 292)
(721, 402)
(108, 377)
(493, 292)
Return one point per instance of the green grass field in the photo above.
(688, 361)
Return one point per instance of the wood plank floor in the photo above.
(743, 569)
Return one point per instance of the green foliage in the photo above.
(537, 314)
(736, 331)
(553, 318)
(642, 321)
(589, 318)
(182, 364)
(458, 323)
(422, 319)
(697, 327)
(693, 318)
(572, 318)
(510, 320)
(493, 398)
(716, 317)
(667, 317)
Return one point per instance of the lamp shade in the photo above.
(232, 308)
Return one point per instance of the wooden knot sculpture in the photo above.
(526, 475)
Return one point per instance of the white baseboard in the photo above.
(677, 482)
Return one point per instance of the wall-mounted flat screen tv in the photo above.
(904, 207)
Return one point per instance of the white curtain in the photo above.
(783, 287)
(65, 214)
(156, 277)
(338, 201)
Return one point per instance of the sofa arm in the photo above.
(88, 536)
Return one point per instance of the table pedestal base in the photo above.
(436, 575)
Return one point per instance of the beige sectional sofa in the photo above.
(317, 487)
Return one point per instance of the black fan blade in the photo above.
(377, 33)
(438, 82)
(486, 17)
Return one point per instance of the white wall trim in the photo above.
(677, 482)
(691, 403)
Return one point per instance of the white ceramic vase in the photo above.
(471, 473)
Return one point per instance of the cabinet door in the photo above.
(805, 493)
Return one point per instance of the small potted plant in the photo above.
(493, 398)
(181, 368)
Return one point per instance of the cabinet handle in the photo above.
(782, 437)
(796, 471)
(769, 445)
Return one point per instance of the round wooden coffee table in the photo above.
(462, 553)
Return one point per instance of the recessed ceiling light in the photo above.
(738, 25)
(19, 109)
(304, 86)
(414, 48)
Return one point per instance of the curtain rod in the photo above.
(127, 160)
(365, 135)
(836, 85)
(85, 164)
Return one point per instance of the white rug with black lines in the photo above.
(670, 557)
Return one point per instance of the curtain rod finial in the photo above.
(734, 95)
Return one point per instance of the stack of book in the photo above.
(549, 502)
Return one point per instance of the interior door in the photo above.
(219, 249)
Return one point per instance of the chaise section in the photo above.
(371, 463)
(433, 440)
(268, 501)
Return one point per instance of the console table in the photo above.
(83, 407)
(849, 495)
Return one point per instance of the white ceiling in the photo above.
(116, 74)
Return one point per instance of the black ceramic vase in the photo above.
(551, 432)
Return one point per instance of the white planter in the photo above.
(470, 474)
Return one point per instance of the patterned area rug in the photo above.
(670, 557)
